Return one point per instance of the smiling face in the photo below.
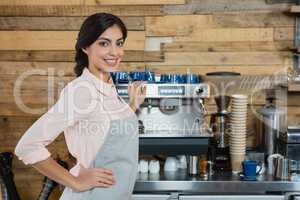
(105, 54)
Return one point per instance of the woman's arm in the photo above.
(137, 94)
(31, 148)
(87, 178)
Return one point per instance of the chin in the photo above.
(111, 69)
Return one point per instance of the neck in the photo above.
(103, 76)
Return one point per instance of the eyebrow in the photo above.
(107, 39)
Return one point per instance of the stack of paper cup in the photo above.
(238, 123)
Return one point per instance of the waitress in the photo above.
(100, 128)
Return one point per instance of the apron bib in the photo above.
(119, 153)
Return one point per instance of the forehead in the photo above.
(113, 32)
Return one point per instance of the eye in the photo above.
(103, 44)
(120, 43)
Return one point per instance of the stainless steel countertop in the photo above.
(217, 183)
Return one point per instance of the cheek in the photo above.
(121, 53)
(100, 54)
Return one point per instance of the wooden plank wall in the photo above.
(166, 36)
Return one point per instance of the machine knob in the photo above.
(199, 91)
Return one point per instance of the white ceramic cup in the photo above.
(143, 166)
(171, 164)
(182, 163)
(154, 166)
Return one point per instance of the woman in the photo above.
(99, 127)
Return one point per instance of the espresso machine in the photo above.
(171, 119)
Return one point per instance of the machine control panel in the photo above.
(170, 90)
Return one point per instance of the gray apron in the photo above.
(119, 153)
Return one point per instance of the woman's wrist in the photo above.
(76, 184)
(133, 106)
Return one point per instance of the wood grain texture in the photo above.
(59, 23)
(294, 87)
(295, 9)
(224, 58)
(56, 40)
(52, 68)
(227, 46)
(245, 69)
(284, 34)
(78, 10)
(229, 35)
(185, 24)
(68, 56)
(216, 6)
(90, 2)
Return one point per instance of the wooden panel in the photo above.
(56, 40)
(59, 23)
(176, 25)
(246, 69)
(293, 99)
(58, 68)
(294, 110)
(213, 6)
(284, 34)
(295, 9)
(280, 1)
(225, 58)
(66, 68)
(78, 10)
(9, 109)
(68, 56)
(294, 87)
(14, 126)
(247, 19)
(185, 24)
(90, 2)
(227, 46)
(229, 35)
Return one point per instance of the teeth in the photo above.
(111, 61)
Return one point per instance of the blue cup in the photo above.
(180, 78)
(120, 77)
(165, 78)
(250, 169)
(192, 78)
(177, 78)
(138, 76)
(150, 76)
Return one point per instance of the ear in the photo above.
(84, 50)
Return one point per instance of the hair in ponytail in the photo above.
(90, 30)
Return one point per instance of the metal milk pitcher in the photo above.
(284, 168)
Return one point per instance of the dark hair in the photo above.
(90, 30)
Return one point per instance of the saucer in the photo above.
(248, 178)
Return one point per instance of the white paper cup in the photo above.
(236, 162)
(239, 110)
(239, 96)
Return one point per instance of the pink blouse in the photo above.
(83, 112)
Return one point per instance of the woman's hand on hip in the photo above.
(137, 94)
(89, 178)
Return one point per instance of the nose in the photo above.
(113, 50)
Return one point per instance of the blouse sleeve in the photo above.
(64, 113)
